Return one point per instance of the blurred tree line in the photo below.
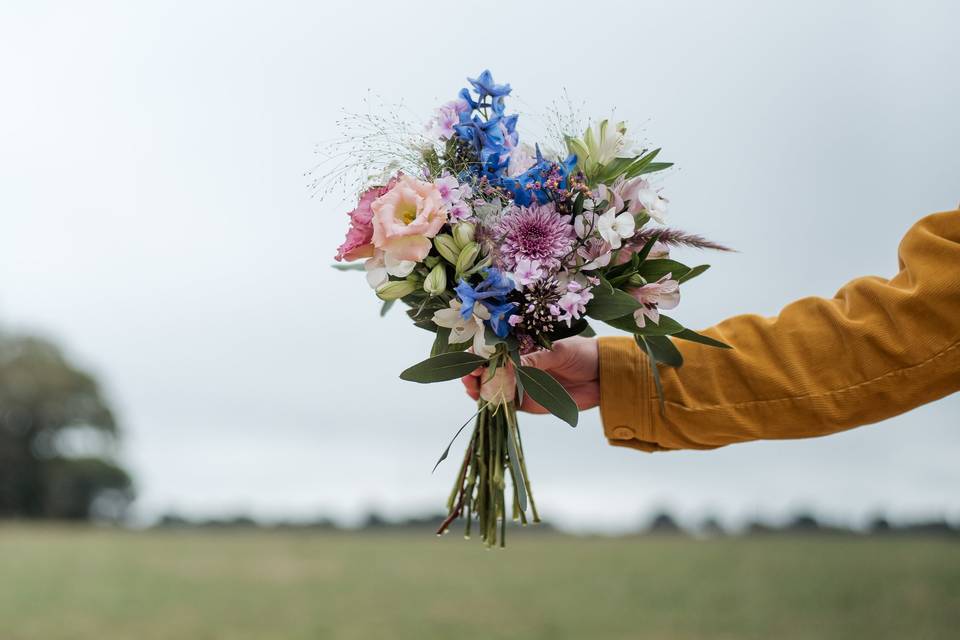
(58, 438)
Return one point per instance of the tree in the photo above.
(57, 438)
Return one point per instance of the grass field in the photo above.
(58, 583)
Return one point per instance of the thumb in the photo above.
(545, 359)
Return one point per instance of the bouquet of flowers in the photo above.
(501, 249)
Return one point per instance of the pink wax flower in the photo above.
(527, 272)
(447, 115)
(573, 304)
(406, 217)
(664, 293)
(360, 234)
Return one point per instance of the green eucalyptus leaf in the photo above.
(666, 327)
(518, 480)
(549, 393)
(445, 366)
(386, 307)
(653, 366)
(426, 324)
(651, 167)
(693, 273)
(578, 204)
(641, 163)
(653, 270)
(664, 350)
(446, 452)
(515, 357)
(441, 342)
(607, 305)
(693, 336)
(645, 251)
(350, 266)
(561, 331)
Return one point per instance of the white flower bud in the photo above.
(464, 233)
(395, 289)
(468, 256)
(447, 247)
(436, 281)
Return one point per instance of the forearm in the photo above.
(879, 348)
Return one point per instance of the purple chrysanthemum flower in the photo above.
(534, 233)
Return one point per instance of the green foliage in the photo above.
(610, 304)
(653, 270)
(664, 350)
(445, 366)
(693, 273)
(549, 393)
(693, 336)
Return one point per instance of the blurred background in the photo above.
(180, 366)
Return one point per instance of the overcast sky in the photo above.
(155, 220)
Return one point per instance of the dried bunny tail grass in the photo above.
(384, 139)
(677, 238)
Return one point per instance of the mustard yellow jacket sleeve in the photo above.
(878, 348)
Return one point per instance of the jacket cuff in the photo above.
(626, 389)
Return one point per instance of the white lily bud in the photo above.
(395, 289)
(436, 281)
(464, 233)
(447, 247)
(468, 256)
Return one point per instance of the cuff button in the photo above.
(623, 433)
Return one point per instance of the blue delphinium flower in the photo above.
(499, 316)
(492, 294)
(536, 182)
(486, 127)
(485, 86)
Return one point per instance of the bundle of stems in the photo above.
(479, 493)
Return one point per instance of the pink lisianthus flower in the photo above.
(360, 234)
(664, 293)
(406, 217)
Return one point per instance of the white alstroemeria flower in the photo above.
(585, 224)
(614, 228)
(653, 203)
(376, 270)
(398, 268)
(381, 266)
(462, 329)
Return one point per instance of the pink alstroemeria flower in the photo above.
(664, 293)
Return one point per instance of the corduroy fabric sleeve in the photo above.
(877, 349)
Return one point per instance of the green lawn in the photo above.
(58, 583)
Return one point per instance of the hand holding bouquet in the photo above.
(501, 249)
